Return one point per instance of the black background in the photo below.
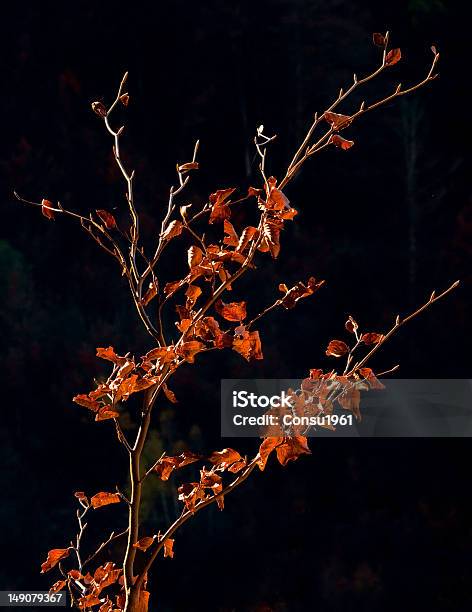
(362, 524)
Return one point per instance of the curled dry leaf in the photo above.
(85, 401)
(144, 543)
(106, 412)
(58, 586)
(173, 229)
(393, 57)
(248, 344)
(291, 449)
(194, 256)
(150, 294)
(350, 399)
(337, 348)
(169, 548)
(110, 355)
(224, 458)
(231, 237)
(99, 109)
(276, 199)
(54, 556)
(234, 311)
(107, 218)
(378, 39)
(372, 338)
(351, 325)
(46, 209)
(265, 449)
(371, 378)
(189, 349)
(166, 465)
(337, 121)
(104, 499)
(169, 394)
(340, 142)
(299, 291)
(124, 99)
(187, 167)
(220, 209)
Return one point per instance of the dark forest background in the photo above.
(364, 524)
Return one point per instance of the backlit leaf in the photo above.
(337, 348)
(104, 499)
(54, 556)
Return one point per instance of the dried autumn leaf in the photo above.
(265, 449)
(378, 39)
(80, 495)
(169, 394)
(237, 466)
(224, 458)
(107, 218)
(371, 378)
(276, 199)
(169, 548)
(248, 235)
(54, 556)
(104, 499)
(99, 109)
(351, 325)
(85, 401)
(173, 229)
(150, 294)
(88, 601)
(110, 355)
(220, 211)
(124, 99)
(106, 412)
(340, 142)
(194, 256)
(190, 493)
(291, 449)
(372, 338)
(350, 399)
(337, 348)
(393, 57)
(144, 543)
(46, 209)
(58, 586)
(299, 291)
(337, 121)
(192, 294)
(171, 287)
(248, 345)
(234, 311)
(183, 168)
(165, 354)
(166, 465)
(189, 349)
(231, 237)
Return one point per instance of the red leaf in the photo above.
(393, 57)
(234, 311)
(107, 218)
(372, 338)
(378, 39)
(340, 142)
(337, 121)
(337, 348)
(351, 325)
(169, 548)
(173, 229)
(54, 556)
(104, 499)
(46, 207)
(291, 449)
(144, 543)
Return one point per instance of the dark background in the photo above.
(362, 524)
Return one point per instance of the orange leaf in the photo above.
(104, 499)
(189, 349)
(337, 121)
(110, 355)
(224, 458)
(231, 237)
(58, 586)
(393, 57)
(144, 543)
(265, 449)
(371, 378)
(194, 256)
(54, 556)
(337, 348)
(187, 167)
(169, 394)
(220, 211)
(107, 218)
(173, 229)
(106, 412)
(167, 465)
(351, 325)
(340, 142)
(291, 449)
(169, 548)
(234, 311)
(85, 401)
(46, 206)
(372, 338)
